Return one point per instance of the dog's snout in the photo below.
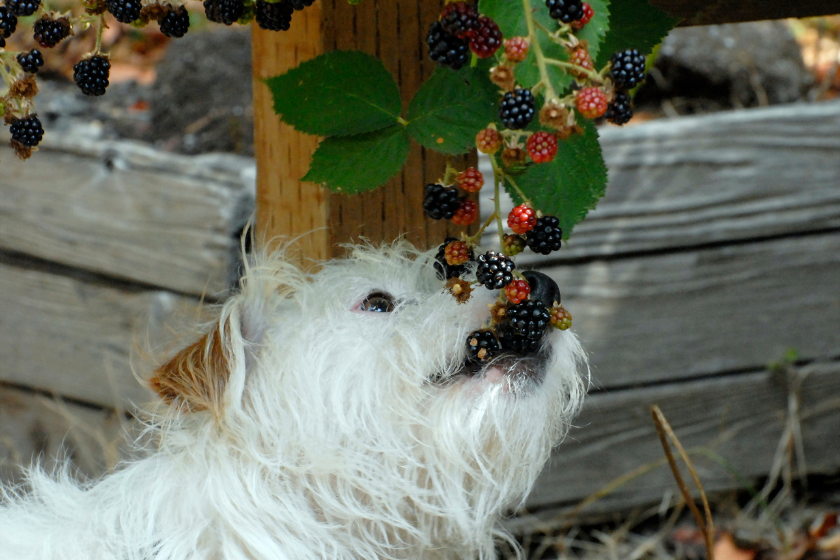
(543, 288)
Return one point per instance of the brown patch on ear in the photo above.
(196, 376)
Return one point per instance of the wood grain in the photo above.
(739, 417)
(80, 338)
(698, 12)
(129, 211)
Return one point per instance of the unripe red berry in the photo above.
(456, 252)
(588, 12)
(542, 147)
(517, 291)
(522, 219)
(516, 48)
(471, 180)
(487, 38)
(488, 141)
(466, 213)
(591, 102)
(580, 58)
(560, 318)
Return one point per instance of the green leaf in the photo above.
(595, 31)
(451, 107)
(507, 14)
(359, 163)
(634, 24)
(571, 184)
(528, 74)
(336, 94)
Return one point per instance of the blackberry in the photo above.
(175, 23)
(298, 5)
(91, 75)
(482, 345)
(30, 61)
(565, 11)
(546, 235)
(517, 109)
(513, 342)
(459, 19)
(8, 22)
(528, 319)
(487, 38)
(23, 7)
(446, 49)
(620, 111)
(49, 32)
(445, 271)
(275, 16)
(125, 11)
(628, 69)
(440, 202)
(27, 131)
(494, 270)
(225, 11)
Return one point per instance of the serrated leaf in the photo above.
(450, 108)
(571, 184)
(634, 24)
(338, 93)
(595, 31)
(507, 14)
(359, 163)
(528, 74)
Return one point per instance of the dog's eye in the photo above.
(378, 302)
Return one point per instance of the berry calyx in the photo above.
(27, 131)
(49, 32)
(23, 8)
(456, 252)
(30, 61)
(565, 11)
(494, 271)
(175, 23)
(482, 345)
(580, 58)
(620, 111)
(591, 102)
(513, 244)
(513, 157)
(440, 202)
(487, 38)
(522, 219)
(588, 12)
(447, 49)
(488, 141)
(125, 11)
(273, 16)
(517, 109)
(627, 69)
(516, 48)
(459, 19)
(560, 318)
(466, 213)
(546, 235)
(517, 291)
(470, 180)
(542, 147)
(91, 75)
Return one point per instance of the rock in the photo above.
(735, 65)
(201, 100)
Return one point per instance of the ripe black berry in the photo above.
(628, 69)
(529, 319)
(440, 202)
(546, 235)
(446, 49)
(459, 19)
(30, 61)
(494, 270)
(125, 11)
(482, 345)
(27, 131)
(517, 109)
(445, 271)
(8, 22)
(91, 75)
(224, 11)
(565, 11)
(274, 16)
(513, 342)
(175, 23)
(301, 4)
(49, 32)
(620, 111)
(23, 7)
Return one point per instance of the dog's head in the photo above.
(351, 387)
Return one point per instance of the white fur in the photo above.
(330, 442)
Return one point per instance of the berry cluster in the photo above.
(442, 201)
(460, 30)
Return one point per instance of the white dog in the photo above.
(326, 415)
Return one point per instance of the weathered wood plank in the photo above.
(710, 179)
(739, 417)
(698, 12)
(127, 210)
(666, 317)
(78, 338)
(38, 428)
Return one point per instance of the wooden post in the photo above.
(394, 31)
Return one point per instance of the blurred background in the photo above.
(707, 281)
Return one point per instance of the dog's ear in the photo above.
(197, 376)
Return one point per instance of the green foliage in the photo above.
(635, 24)
(354, 164)
(595, 31)
(338, 93)
(507, 14)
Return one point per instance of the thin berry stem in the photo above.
(538, 54)
(477, 237)
(525, 199)
(99, 34)
(592, 75)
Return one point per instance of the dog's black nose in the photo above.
(543, 288)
